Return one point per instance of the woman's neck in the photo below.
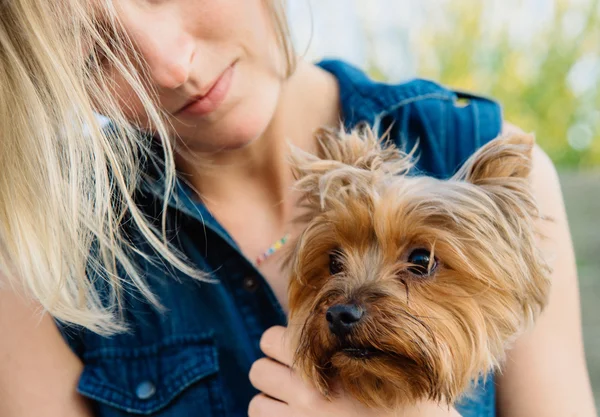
(309, 100)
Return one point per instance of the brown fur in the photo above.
(433, 336)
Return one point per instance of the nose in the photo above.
(170, 68)
(342, 318)
(169, 57)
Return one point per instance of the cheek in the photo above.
(300, 296)
(225, 23)
(129, 101)
(126, 99)
(308, 285)
(252, 27)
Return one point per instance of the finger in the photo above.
(275, 344)
(274, 379)
(263, 406)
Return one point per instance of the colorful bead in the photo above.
(274, 248)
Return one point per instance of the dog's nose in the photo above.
(342, 318)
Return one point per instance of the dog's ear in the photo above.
(502, 170)
(347, 162)
(505, 157)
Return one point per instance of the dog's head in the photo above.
(408, 287)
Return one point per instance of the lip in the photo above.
(370, 353)
(207, 103)
(361, 353)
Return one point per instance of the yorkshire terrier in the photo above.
(407, 287)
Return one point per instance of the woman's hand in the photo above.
(285, 394)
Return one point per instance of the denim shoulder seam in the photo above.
(409, 100)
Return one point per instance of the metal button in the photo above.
(251, 284)
(145, 390)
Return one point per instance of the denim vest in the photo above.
(193, 358)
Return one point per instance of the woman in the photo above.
(219, 92)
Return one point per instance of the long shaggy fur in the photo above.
(431, 337)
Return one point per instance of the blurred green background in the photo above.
(548, 82)
(539, 58)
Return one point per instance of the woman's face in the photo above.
(215, 63)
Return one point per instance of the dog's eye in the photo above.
(335, 262)
(422, 263)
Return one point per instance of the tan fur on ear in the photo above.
(506, 157)
(360, 148)
(347, 163)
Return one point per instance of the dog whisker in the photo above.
(407, 292)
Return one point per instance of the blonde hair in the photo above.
(66, 184)
(283, 35)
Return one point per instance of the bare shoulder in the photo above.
(38, 371)
(545, 373)
(544, 179)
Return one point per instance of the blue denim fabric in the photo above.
(193, 358)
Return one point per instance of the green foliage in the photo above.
(529, 78)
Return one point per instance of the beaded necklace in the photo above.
(272, 249)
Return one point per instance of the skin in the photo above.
(33, 358)
(236, 157)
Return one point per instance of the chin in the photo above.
(225, 137)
